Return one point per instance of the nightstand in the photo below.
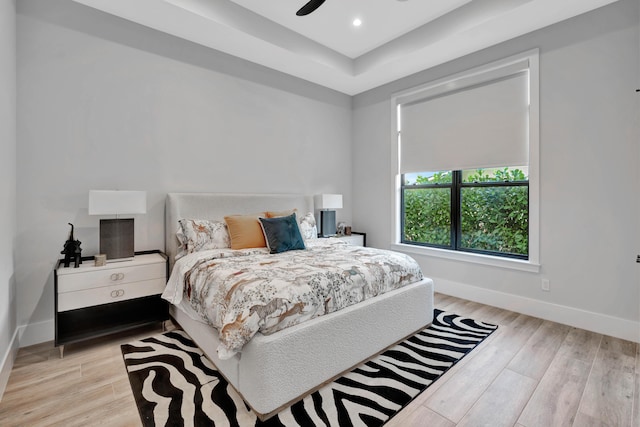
(93, 301)
(358, 239)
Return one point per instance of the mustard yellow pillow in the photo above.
(245, 231)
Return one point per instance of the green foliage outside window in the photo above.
(492, 218)
(494, 175)
(428, 216)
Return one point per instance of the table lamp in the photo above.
(327, 203)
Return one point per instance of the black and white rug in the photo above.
(175, 384)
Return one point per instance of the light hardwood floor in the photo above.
(529, 373)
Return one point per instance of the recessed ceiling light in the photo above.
(357, 22)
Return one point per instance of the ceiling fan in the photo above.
(309, 7)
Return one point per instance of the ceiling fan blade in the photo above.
(309, 7)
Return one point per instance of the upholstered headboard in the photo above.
(217, 205)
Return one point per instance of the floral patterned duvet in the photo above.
(242, 292)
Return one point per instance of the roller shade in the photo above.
(480, 126)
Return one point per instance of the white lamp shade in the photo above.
(113, 202)
(328, 201)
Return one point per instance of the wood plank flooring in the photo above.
(529, 373)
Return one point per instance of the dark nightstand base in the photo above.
(92, 322)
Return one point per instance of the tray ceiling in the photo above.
(397, 37)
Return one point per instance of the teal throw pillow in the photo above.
(282, 234)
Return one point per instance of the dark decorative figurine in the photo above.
(72, 250)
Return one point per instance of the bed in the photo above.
(272, 371)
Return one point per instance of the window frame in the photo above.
(455, 82)
(455, 187)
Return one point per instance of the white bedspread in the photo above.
(241, 292)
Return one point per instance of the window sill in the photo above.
(486, 260)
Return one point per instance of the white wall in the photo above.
(104, 103)
(7, 187)
(590, 163)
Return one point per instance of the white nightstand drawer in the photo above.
(143, 267)
(354, 239)
(358, 239)
(109, 294)
(95, 277)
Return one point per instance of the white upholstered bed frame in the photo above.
(275, 370)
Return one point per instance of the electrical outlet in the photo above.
(545, 285)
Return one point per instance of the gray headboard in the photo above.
(217, 205)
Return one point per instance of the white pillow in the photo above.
(308, 228)
(201, 234)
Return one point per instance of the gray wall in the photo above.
(590, 163)
(7, 183)
(106, 104)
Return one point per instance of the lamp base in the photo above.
(327, 223)
(117, 239)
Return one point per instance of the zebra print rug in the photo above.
(175, 384)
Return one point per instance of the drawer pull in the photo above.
(117, 293)
(117, 276)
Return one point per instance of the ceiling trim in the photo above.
(227, 27)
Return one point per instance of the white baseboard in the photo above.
(25, 335)
(7, 362)
(36, 333)
(595, 322)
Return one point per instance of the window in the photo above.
(483, 211)
(467, 165)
